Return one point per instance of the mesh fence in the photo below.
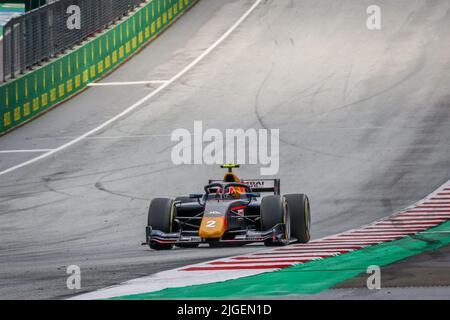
(43, 33)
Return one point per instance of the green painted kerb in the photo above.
(312, 277)
(33, 93)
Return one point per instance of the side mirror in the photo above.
(196, 196)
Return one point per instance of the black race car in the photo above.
(230, 211)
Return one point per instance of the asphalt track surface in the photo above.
(423, 276)
(363, 115)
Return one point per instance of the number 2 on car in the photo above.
(211, 224)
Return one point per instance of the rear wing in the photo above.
(260, 185)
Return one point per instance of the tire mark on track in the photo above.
(418, 68)
(99, 186)
(40, 178)
(282, 139)
(4, 213)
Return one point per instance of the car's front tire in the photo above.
(160, 217)
(300, 213)
(274, 211)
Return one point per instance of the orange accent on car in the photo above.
(212, 228)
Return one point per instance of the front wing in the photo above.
(192, 237)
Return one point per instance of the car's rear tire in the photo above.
(300, 213)
(274, 211)
(160, 217)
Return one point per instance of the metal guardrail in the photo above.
(43, 33)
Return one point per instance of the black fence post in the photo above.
(12, 51)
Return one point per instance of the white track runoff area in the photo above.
(423, 215)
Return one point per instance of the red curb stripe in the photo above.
(351, 241)
(382, 224)
(356, 242)
(310, 250)
(255, 259)
(388, 229)
(292, 254)
(426, 215)
(414, 219)
(372, 239)
(297, 254)
(275, 255)
(294, 250)
(386, 233)
(321, 244)
(443, 203)
(381, 232)
(333, 242)
(258, 261)
(280, 266)
(426, 226)
(433, 206)
(406, 224)
(385, 230)
(325, 246)
(308, 253)
(423, 211)
(319, 249)
(397, 227)
(430, 217)
(370, 236)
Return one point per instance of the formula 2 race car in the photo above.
(230, 211)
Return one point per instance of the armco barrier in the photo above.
(34, 93)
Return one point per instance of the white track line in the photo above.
(25, 151)
(144, 99)
(126, 83)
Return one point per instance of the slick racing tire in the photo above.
(274, 211)
(160, 217)
(186, 200)
(300, 213)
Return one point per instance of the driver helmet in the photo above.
(236, 192)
